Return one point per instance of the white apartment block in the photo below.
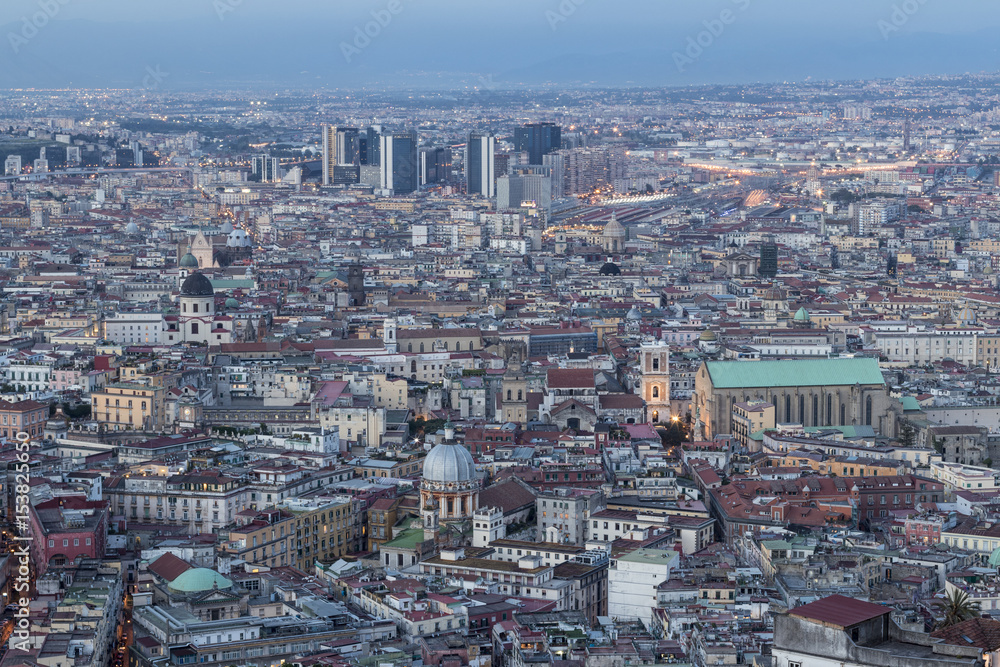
(923, 347)
(135, 328)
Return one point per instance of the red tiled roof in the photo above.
(982, 633)
(570, 378)
(169, 567)
(437, 333)
(621, 401)
(508, 496)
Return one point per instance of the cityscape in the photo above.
(585, 358)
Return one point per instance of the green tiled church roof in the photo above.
(794, 373)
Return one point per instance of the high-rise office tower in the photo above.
(265, 168)
(556, 161)
(537, 139)
(341, 145)
(371, 149)
(501, 164)
(435, 165)
(348, 146)
(328, 140)
(138, 154)
(531, 185)
(480, 177)
(400, 167)
(346, 174)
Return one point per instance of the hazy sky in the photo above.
(445, 43)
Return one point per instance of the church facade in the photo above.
(198, 320)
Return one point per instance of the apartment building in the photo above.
(129, 406)
(202, 501)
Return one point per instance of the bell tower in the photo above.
(429, 514)
(356, 285)
(515, 395)
(654, 366)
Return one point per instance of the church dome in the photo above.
(449, 463)
(633, 314)
(966, 315)
(231, 303)
(708, 336)
(614, 229)
(774, 293)
(801, 315)
(227, 228)
(610, 269)
(238, 238)
(197, 285)
(199, 579)
(188, 261)
(132, 228)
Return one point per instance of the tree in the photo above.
(843, 196)
(956, 607)
(674, 433)
(81, 411)
(907, 437)
(420, 428)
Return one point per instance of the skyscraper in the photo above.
(370, 146)
(480, 151)
(580, 170)
(556, 162)
(537, 139)
(265, 168)
(400, 167)
(501, 164)
(341, 145)
(525, 184)
(348, 148)
(435, 165)
(328, 140)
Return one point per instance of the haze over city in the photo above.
(444, 44)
